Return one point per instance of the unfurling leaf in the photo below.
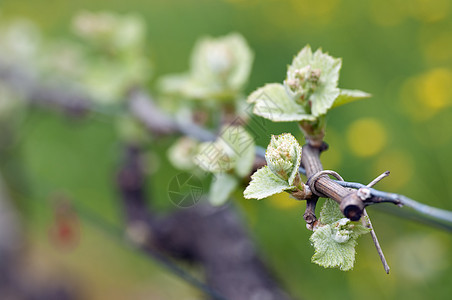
(283, 160)
(283, 157)
(224, 62)
(312, 80)
(234, 150)
(330, 212)
(272, 102)
(335, 238)
(120, 61)
(265, 183)
(182, 153)
(309, 90)
(347, 96)
(230, 158)
(329, 252)
(221, 188)
(240, 145)
(219, 69)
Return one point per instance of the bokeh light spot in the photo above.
(419, 257)
(283, 201)
(366, 137)
(435, 88)
(387, 13)
(429, 10)
(436, 46)
(423, 96)
(399, 163)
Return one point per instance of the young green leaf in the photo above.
(224, 61)
(283, 160)
(313, 77)
(119, 61)
(240, 145)
(330, 212)
(283, 156)
(219, 69)
(221, 188)
(265, 183)
(329, 252)
(233, 150)
(230, 157)
(272, 102)
(182, 153)
(309, 91)
(347, 96)
(214, 158)
(335, 238)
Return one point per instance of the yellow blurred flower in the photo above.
(401, 166)
(393, 12)
(436, 44)
(425, 95)
(366, 137)
(429, 11)
(388, 13)
(435, 88)
(283, 201)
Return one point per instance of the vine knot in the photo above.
(313, 179)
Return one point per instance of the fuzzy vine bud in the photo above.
(342, 234)
(283, 156)
(335, 238)
(303, 82)
(220, 59)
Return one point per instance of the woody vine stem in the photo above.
(210, 98)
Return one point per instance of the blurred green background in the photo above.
(399, 51)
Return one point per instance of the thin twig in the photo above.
(372, 231)
(401, 200)
(376, 180)
(376, 243)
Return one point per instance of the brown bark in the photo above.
(213, 237)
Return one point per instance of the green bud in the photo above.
(309, 91)
(342, 230)
(283, 156)
(182, 153)
(303, 82)
(94, 25)
(219, 69)
(335, 238)
(223, 63)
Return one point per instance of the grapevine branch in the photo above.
(144, 109)
(213, 237)
(16, 278)
(400, 200)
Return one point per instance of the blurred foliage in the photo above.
(399, 51)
